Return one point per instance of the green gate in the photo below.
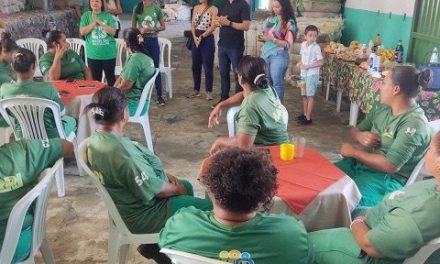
(425, 34)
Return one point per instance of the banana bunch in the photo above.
(387, 54)
(333, 46)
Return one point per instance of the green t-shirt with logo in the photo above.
(72, 66)
(150, 17)
(138, 68)
(99, 44)
(133, 176)
(43, 90)
(404, 138)
(7, 75)
(21, 163)
(261, 116)
(267, 238)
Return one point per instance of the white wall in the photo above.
(396, 7)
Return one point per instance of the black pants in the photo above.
(108, 66)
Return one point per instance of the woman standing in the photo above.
(203, 46)
(149, 19)
(7, 46)
(279, 31)
(114, 7)
(98, 28)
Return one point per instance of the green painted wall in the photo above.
(362, 25)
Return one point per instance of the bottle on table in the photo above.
(398, 54)
(378, 40)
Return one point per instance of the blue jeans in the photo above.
(226, 57)
(277, 65)
(151, 44)
(203, 56)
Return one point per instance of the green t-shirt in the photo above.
(6, 73)
(39, 90)
(267, 238)
(99, 44)
(21, 163)
(138, 68)
(405, 220)
(261, 116)
(72, 66)
(404, 138)
(150, 17)
(133, 176)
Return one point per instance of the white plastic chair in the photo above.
(180, 257)
(5, 133)
(40, 194)
(165, 68)
(120, 48)
(120, 237)
(424, 253)
(38, 47)
(77, 44)
(232, 112)
(435, 126)
(28, 113)
(143, 119)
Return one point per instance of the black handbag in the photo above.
(188, 33)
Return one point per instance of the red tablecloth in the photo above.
(69, 90)
(301, 180)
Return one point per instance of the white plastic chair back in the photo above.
(143, 119)
(424, 253)
(120, 49)
(77, 44)
(435, 127)
(38, 47)
(120, 237)
(232, 112)
(165, 65)
(5, 134)
(180, 257)
(40, 194)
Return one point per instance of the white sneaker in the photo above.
(209, 96)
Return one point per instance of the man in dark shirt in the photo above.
(233, 20)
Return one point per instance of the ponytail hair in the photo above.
(253, 71)
(6, 42)
(410, 80)
(133, 39)
(139, 8)
(23, 60)
(108, 105)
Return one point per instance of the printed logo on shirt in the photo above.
(141, 179)
(99, 177)
(236, 257)
(99, 36)
(410, 131)
(45, 143)
(11, 183)
(149, 22)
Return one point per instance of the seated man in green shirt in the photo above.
(134, 177)
(23, 62)
(239, 182)
(259, 120)
(21, 163)
(392, 231)
(394, 136)
(60, 62)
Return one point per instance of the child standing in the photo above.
(311, 61)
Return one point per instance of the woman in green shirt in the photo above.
(98, 27)
(134, 177)
(259, 120)
(394, 137)
(60, 62)
(7, 46)
(137, 71)
(393, 230)
(23, 63)
(149, 19)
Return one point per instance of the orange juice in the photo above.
(287, 151)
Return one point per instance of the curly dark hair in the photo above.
(241, 180)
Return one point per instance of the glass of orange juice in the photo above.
(287, 151)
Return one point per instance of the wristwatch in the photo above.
(230, 23)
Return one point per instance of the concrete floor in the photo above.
(77, 224)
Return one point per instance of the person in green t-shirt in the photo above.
(395, 137)
(138, 70)
(134, 177)
(7, 46)
(22, 162)
(98, 28)
(239, 182)
(23, 62)
(259, 120)
(60, 62)
(149, 19)
(393, 230)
